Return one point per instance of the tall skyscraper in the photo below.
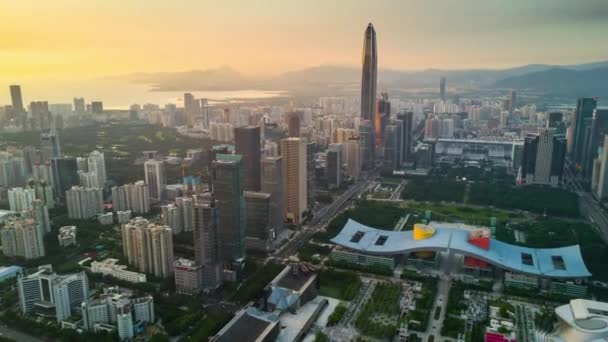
(582, 115)
(17, 100)
(352, 157)
(431, 127)
(333, 165)
(293, 151)
(543, 158)
(442, 88)
(49, 145)
(259, 233)
(407, 128)
(512, 101)
(148, 246)
(190, 107)
(601, 189)
(97, 164)
(272, 183)
(155, 178)
(293, 124)
(206, 239)
(368, 92)
(79, 105)
(366, 134)
(65, 174)
(311, 148)
(369, 74)
(391, 150)
(97, 107)
(247, 144)
(594, 140)
(228, 186)
(381, 119)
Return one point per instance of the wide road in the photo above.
(320, 219)
(587, 203)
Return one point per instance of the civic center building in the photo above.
(559, 270)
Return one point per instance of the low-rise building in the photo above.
(112, 268)
(123, 216)
(67, 236)
(105, 219)
(188, 277)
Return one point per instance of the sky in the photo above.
(76, 39)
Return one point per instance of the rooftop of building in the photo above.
(588, 316)
(295, 276)
(249, 325)
(562, 262)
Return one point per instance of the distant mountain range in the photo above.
(590, 79)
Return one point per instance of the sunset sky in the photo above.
(80, 39)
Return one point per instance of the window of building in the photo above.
(526, 259)
(558, 262)
(381, 240)
(357, 237)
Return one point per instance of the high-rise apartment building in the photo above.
(154, 171)
(12, 170)
(206, 240)
(247, 144)
(228, 185)
(49, 145)
(293, 151)
(132, 196)
(20, 199)
(96, 164)
(23, 237)
(148, 246)
(84, 203)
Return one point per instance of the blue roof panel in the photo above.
(562, 262)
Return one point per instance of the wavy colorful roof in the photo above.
(562, 262)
